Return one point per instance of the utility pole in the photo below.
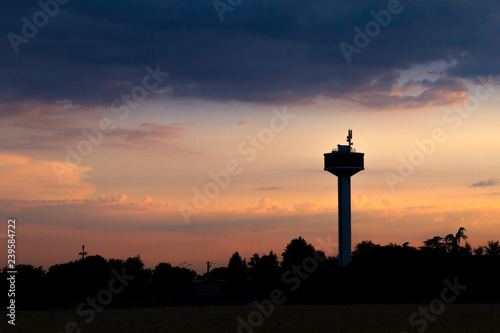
(208, 282)
(83, 253)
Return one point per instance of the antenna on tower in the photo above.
(349, 139)
(83, 253)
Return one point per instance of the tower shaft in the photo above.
(344, 196)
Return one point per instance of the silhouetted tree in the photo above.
(74, 281)
(364, 248)
(29, 280)
(173, 283)
(136, 288)
(388, 273)
(460, 235)
(253, 263)
(265, 272)
(434, 245)
(453, 241)
(479, 251)
(236, 277)
(301, 265)
(93, 274)
(296, 251)
(182, 280)
(161, 287)
(218, 273)
(116, 263)
(466, 250)
(493, 248)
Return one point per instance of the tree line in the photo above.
(378, 273)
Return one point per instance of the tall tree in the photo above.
(453, 242)
(134, 267)
(236, 277)
(460, 235)
(296, 251)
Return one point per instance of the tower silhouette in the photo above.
(344, 162)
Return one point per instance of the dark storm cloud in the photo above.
(91, 52)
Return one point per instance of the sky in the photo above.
(184, 131)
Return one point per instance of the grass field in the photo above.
(329, 318)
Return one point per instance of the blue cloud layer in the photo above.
(89, 52)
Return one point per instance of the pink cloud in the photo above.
(245, 122)
(34, 108)
(45, 123)
(153, 133)
(62, 132)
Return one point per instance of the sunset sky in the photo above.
(116, 116)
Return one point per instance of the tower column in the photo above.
(344, 195)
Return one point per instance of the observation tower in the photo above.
(344, 162)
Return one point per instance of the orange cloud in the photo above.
(267, 206)
(29, 179)
(362, 203)
(307, 207)
(245, 122)
(108, 200)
